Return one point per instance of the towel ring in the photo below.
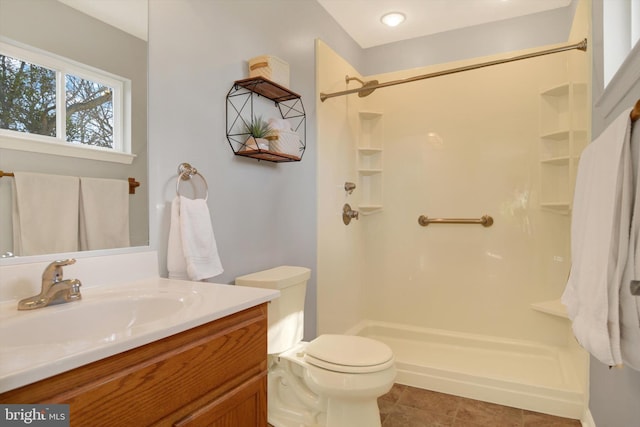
(185, 172)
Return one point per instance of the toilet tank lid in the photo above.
(275, 278)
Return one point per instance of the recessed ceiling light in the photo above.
(393, 19)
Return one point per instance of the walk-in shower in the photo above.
(467, 310)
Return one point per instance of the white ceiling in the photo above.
(361, 18)
(130, 16)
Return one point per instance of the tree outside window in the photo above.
(28, 104)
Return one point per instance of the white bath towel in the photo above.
(45, 213)
(630, 304)
(104, 213)
(192, 232)
(176, 263)
(600, 241)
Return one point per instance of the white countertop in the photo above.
(38, 354)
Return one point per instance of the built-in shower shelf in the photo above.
(370, 115)
(369, 209)
(553, 307)
(563, 136)
(369, 171)
(369, 161)
(557, 207)
(561, 161)
(370, 151)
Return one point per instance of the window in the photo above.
(52, 99)
(621, 31)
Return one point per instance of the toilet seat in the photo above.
(348, 354)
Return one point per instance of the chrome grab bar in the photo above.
(485, 221)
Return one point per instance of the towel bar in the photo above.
(635, 113)
(133, 184)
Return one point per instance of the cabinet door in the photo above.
(245, 406)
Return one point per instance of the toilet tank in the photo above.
(286, 313)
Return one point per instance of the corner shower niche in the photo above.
(249, 99)
(369, 162)
(563, 136)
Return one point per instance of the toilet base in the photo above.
(342, 413)
(354, 414)
(290, 402)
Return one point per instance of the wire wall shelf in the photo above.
(241, 111)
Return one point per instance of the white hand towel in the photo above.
(45, 213)
(104, 213)
(191, 222)
(600, 241)
(176, 263)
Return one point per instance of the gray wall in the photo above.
(263, 214)
(614, 393)
(508, 35)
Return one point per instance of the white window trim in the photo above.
(121, 151)
(621, 30)
(617, 88)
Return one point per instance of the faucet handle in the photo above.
(348, 214)
(64, 262)
(53, 272)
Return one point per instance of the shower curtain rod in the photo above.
(582, 45)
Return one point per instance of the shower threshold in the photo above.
(515, 373)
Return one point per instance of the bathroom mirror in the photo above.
(58, 28)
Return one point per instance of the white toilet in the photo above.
(332, 381)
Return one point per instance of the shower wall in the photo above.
(340, 248)
(457, 146)
(462, 145)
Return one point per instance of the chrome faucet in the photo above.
(55, 290)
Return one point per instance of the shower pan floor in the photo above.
(521, 374)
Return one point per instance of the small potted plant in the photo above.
(260, 132)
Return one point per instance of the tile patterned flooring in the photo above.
(406, 406)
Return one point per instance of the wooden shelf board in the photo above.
(267, 88)
(270, 156)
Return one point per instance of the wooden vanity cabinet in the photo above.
(214, 375)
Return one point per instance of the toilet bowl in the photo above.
(333, 380)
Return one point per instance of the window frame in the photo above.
(620, 28)
(121, 151)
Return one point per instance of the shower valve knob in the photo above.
(348, 214)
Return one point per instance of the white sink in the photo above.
(36, 344)
(90, 320)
